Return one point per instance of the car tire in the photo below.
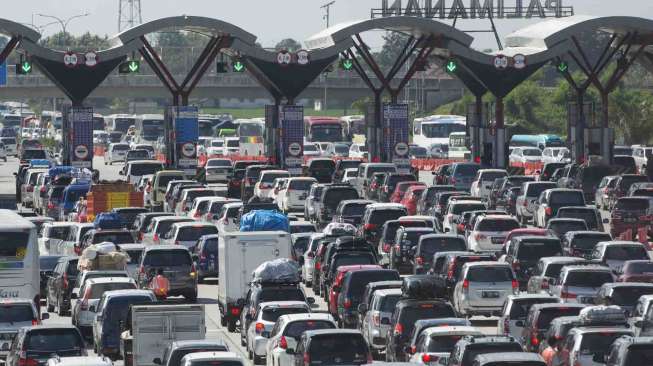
(231, 326)
(49, 307)
(191, 296)
(243, 343)
(258, 360)
(223, 321)
(60, 310)
(250, 355)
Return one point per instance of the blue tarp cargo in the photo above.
(108, 220)
(264, 220)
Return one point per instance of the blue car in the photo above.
(206, 257)
(71, 195)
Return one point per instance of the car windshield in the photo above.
(632, 204)
(193, 233)
(441, 130)
(489, 274)
(98, 289)
(491, 225)
(547, 315)
(639, 267)
(628, 296)
(145, 169)
(338, 349)
(16, 313)
(532, 251)
(167, 258)
(588, 278)
(354, 209)
(519, 309)
(626, 252)
(216, 363)
(14, 245)
(599, 343)
(588, 242)
(296, 328)
(442, 343)
(273, 313)
(430, 246)
(466, 170)
(535, 189)
(115, 238)
(639, 355)
(300, 184)
(326, 133)
(379, 217)
(457, 209)
(53, 340)
(567, 199)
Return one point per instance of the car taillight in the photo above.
(176, 242)
(27, 362)
(347, 303)
(65, 281)
(141, 270)
(545, 284)
(480, 236)
(461, 227)
(35, 322)
(369, 226)
(235, 311)
(466, 284)
(203, 256)
(515, 285)
(450, 270)
(534, 341)
(193, 271)
(50, 205)
(453, 180)
(197, 215)
(525, 204)
(397, 248)
(140, 236)
(30, 188)
(386, 247)
(318, 265)
(419, 260)
(259, 328)
(155, 238)
(548, 211)
(376, 319)
(310, 255)
(567, 295)
(399, 329)
(516, 266)
(426, 358)
(42, 190)
(506, 326)
(283, 343)
(307, 359)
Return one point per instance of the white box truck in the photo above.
(239, 255)
(151, 328)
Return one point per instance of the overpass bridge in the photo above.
(343, 88)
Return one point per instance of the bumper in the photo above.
(259, 346)
(488, 310)
(378, 340)
(85, 318)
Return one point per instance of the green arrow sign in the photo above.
(347, 64)
(134, 66)
(239, 66)
(563, 66)
(451, 66)
(26, 67)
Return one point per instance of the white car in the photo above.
(523, 155)
(483, 287)
(201, 206)
(484, 180)
(556, 155)
(135, 169)
(10, 145)
(515, 310)
(188, 233)
(159, 227)
(218, 170)
(214, 147)
(212, 358)
(311, 149)
(309, 258)
(116, 152)
(264, 185)
(79, 361)
(52, 236)
(442, 339)
(278, 186)
(3, 152)
(349, 175)
(453, 212)
(489, 233)
(232, 146)
(228, 216)
(262, 322)
(293, 197)
(85, 307)
(288, 330)
(358, 151)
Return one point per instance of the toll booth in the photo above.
(181, 126)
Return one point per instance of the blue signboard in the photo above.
(395, 120)
(81, 149)
(186, 133)
(3, 74)
(292, 137)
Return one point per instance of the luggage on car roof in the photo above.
(421, 287)
(277, 271)
(602, 315)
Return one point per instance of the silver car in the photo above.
(16, 313)
(376, 323)
(586, 346)
(515, 310)
(526, 203)
(580, 283)
(483, 288)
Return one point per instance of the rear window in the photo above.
(639, 355)
(217, 363)
(379, 169)
(562, 227)
(349, 260)
(567, 198)
(519, 309)
(532, 251)
(632, 204)
(167, 258)
(270, 177)
(625, 252)
(588, 242)
(491, 176)
(116, 308)
(338, 349)
(323, 164)
(120, 147)
(210, 246)
(58, 232)
(535, 189)
(466, 170)
(33, 154)
(134, 255)
(472, 350)
(379, 217)
(191, 195)
(194, 233)
(354, 209)
(164, 225)
(599, 343)
(300, 184)
(295, 329)
(15, 313)
(639, 267)
(98, 289)
(589, 216)
(48, 263)
(272, 314)
(116, 238)
(165, 179)
(443, 344)
(389, 303)
(497, 225)
(430, 246)
(588, 278)
(358, 281)
(54, 340)
(333, 196)
(463, 207)
(547, 315)
(281, 294)
(628, 296)
(489, 274)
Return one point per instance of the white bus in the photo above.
(434, 131)
(251, 133)
(19, 258)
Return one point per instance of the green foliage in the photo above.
(394, 44)
(83, 43)
(289, 45)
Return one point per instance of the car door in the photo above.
(52, 284)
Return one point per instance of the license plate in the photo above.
(587, 300)
(497, 240)
(490, 294)
(303, 197)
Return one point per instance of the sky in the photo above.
(274, 20)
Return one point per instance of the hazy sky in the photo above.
(271, 20)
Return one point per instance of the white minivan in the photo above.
(19, 273)
(116, 152)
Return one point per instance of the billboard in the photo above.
(183, 138)
(80, 136)
(291, 118)
(395, 124)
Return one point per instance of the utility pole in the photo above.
(129, 14)
(327, 17)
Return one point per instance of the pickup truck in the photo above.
(149, 329)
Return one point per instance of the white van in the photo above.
(19, 255)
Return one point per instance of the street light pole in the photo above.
(327, 17)
(64, 22)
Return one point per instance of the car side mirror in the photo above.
(362, 308)
(310, 300)
(290, 351)
(74, 296)
(121, 173)
(519, 323)
(156, 361)
(639, 324)
(45, 316)
(385, 321)
(606, 221)
(92, 308)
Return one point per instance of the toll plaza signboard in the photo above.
(183, 138)
(395, 125)
(80, 136)
(291, 118)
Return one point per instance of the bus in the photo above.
(323, 129)
(98, 122)
(353, 126)
(251, 133)
(435, 130)
(19, 258)
(11, 120)
(458, 146)
(539, 141)
(120, 122)
(149, 127)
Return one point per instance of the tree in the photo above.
(394, 43)
(289, 45)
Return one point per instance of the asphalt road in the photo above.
(208, 291)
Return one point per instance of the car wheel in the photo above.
(192, 296)
(250, 355)
(231, 326)
(223, 321)
(258, 360)
(60, 310)
(48, 306)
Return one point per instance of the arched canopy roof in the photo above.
(339, 35)
(205, 25)
(13, 29)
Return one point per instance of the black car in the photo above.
(406, 239)
(332, 195)
(47, 263)
(466, 349)
(353, 288)
(390, 183)
(428, 197)
(61, 284)
(560, 227)
(332, 347)
(351, 211)
(525, 251)
(430, 244)
(142, 221)
(582, 243)
(35, 345)
(321, 169)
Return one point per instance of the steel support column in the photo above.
(476, 128)
(499, 148)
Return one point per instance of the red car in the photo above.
(523, 232)
(401, 189)
(629, 213)
(334, 291)
(637, 271)
(411, 197)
